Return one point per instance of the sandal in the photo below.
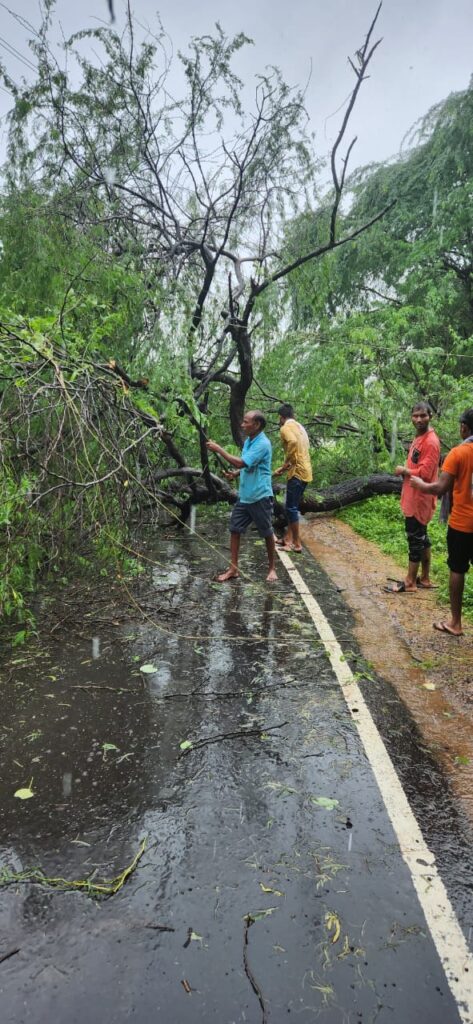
(443, 627)
(398, 587)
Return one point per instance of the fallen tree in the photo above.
(189, 483)
(351, 491)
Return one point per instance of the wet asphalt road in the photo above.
(285, 824)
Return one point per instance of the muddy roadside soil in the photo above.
(431, 672)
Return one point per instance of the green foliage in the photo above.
(131, 246)
(387, 320)
(420, 256)
(76, 453)
(21, 550)
(356, 382)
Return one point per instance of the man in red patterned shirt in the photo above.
(418, 508)
(456, 479)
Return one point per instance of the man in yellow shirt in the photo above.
(299, 472)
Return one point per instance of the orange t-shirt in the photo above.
(423, 460)
(459, 462)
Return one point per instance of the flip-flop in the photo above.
(443, 627)
(426, 586)
(398, 588)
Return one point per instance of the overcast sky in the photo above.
(425, 53)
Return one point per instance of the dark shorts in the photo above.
(417, 538)
(460, 550)
(258, 512)
(294, 491)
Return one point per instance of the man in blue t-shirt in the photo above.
(255, 498)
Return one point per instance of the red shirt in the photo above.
(423, 460)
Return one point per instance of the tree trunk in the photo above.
(329, 500)
(350, 491)
(241, 387)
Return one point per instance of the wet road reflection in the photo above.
(234, 755)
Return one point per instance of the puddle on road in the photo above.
(265, 831)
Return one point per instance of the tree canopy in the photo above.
(171, 250)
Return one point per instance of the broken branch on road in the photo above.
(236, 734)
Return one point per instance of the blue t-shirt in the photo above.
(255, 478)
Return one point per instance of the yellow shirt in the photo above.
(296, 448)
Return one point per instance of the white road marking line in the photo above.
(448, 938)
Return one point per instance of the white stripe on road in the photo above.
(451, 945)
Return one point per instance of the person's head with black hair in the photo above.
(466, 423)
(285, 412)
(422, 407)
(253, 422)
(421, 415)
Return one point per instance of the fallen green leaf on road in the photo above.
(185, 745)
(148, 669)
(267, 888)
(26, 792)
(324, 801)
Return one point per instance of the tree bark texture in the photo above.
(329, 499)
(351, 491)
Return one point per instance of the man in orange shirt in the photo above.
(456, 478)
(422, 461)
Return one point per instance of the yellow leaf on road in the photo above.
(332, 922)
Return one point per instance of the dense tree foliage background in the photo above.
(165, 261)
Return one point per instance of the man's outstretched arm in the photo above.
(234, 460)
(439, 487)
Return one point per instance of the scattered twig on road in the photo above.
(99, 686)
(237, 734)
(249, 920)
(6, 956)
(160, 927)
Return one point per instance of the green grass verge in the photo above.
(381, 520)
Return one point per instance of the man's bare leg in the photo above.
(232, 573)
(295, 536)
(271, 549)
(425, 568)
(291, 540)
(454, 625)
(285, 543)
(410, 581)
